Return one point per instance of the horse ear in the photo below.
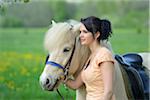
(76, 28)
(53, 23)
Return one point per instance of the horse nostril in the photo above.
(47, 81)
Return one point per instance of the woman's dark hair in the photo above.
(94, 24)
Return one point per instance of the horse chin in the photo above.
(55, 86)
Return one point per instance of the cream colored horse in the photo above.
(60, 40)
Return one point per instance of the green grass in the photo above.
(22, 61)
(22, 40)
(129, 40)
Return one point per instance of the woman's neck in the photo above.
(94, 46)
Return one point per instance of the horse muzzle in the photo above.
(47, 82)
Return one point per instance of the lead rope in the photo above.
(62, 98)
(67, 89)
(68, 93)
(67, 96)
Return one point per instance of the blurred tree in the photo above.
(122, 13)
(11, 22)
(8, 2)
(60, 10)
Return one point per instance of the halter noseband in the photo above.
(55, 64)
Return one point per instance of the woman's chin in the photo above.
(84, 44)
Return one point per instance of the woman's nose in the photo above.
(81, 35)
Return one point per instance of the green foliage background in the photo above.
(36, 13)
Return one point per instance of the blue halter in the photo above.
(55, 64)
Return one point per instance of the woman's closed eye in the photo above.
(83, 31)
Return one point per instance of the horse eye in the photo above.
(66, 49)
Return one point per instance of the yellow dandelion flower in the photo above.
(28, 56)
(11, 85)
(4, 66)
(24, 71)
(2, 79)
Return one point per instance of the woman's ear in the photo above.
(97, 35)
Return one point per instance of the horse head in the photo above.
(63, 45)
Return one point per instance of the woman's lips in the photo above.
(82, 40)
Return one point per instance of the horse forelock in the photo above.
(57, 36)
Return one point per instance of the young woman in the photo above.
(98, 73)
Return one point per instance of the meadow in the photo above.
(22, 57)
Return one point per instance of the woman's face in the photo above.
(86, 37)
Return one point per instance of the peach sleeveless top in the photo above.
(92, 76)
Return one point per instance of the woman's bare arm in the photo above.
(74, 84)
(107, 69)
